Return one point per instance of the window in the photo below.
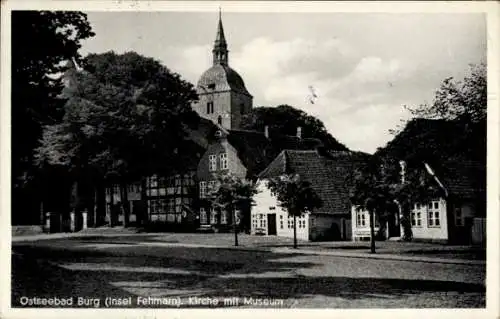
(219, 120)
(242, 108)
(223, 161)
(459, 217)
(290, 222)
(203, 216)
(203, 189)
(281, 221)
(211, 86)
(210, 107)
(223, 217)
(254, 222)
(433, 218)
(212, 163)
(433, 214)
(361, 219)
(416, 218)
(171, 205)
(262, 220)
(213, 216)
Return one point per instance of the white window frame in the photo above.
(212, 162)
(416, 218)
(361, 219)
(203, 189)
(203, 216)
(460, 221)
(433, 210)
(254, 221)
(224, 164)
(223, 217)
(213, 216)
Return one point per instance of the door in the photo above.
(393, 225)
(271, 224)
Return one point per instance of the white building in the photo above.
(456, 216)
(329, 175)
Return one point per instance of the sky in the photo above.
(364, 67)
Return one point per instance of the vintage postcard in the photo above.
(265, 158)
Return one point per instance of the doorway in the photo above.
(271, 224)
(393, 225)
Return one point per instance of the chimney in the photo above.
(299, 132)
(266, 131)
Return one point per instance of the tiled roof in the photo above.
(330, 174)
(257, 151)
(464, 179)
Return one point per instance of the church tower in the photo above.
(223, 97)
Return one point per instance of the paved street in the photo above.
(98, 267)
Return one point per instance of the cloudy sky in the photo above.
(364, 66)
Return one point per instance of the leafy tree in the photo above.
(464, 100)
(233, 194)
(388, 186)
(462, 106)
(41, 40)
(296, 196)
(452, 128)
(125, 118)
(285, 119)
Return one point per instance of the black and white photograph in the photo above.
(270, 155)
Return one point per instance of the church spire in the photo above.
(220, 52)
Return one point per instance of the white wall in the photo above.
(431, 232)
(359, 232)
(309, 226)
(265, 203)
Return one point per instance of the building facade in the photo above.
(457, 216)
(329, 174)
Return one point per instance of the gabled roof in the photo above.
(330, 174)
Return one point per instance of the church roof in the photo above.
(221, 78)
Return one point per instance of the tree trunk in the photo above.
(125, 204)
(294, 231)
(235, 227)
(372, 231)
(406, 221)
(112, 210)
(100, 204)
